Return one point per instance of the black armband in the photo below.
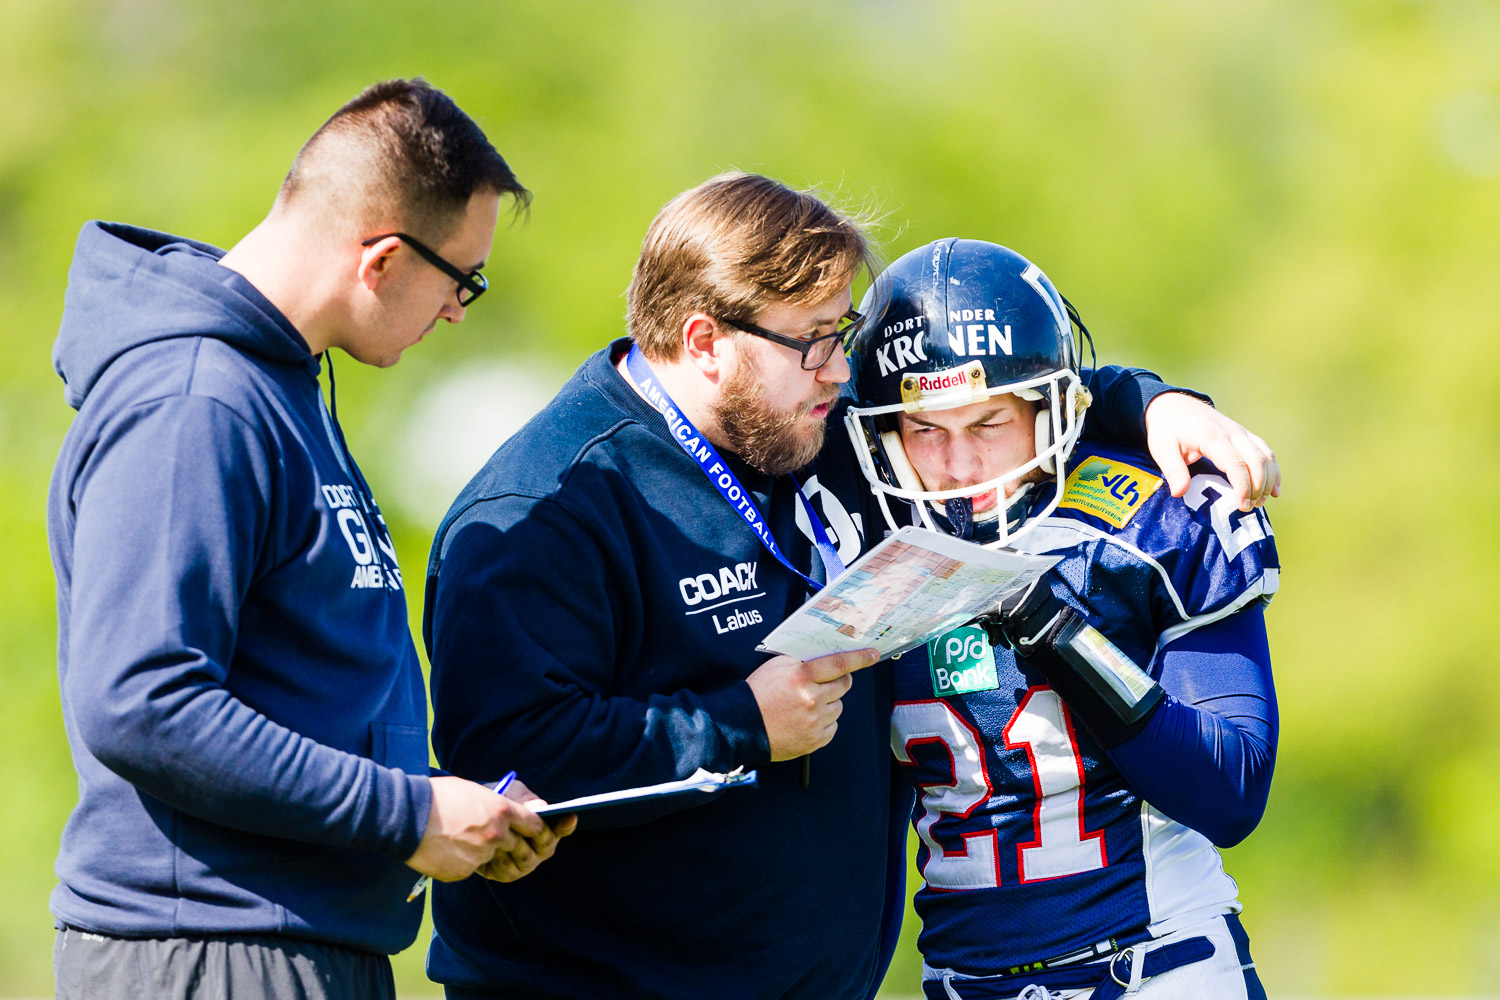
(1108, 692)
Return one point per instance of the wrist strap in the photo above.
(1109, 693)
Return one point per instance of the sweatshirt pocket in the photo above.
(399, 746)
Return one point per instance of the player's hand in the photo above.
(507, 866)
(468, 824)
(1181, 429)
(799, 700)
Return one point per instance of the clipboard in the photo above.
(700, 783)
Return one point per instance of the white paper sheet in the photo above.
(912, 587)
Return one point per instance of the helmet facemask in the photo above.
(874, 432)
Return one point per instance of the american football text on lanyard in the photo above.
(702, 451)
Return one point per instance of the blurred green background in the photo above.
(1292, 205)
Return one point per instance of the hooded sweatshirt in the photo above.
(241, 694)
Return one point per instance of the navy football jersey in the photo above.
(1033, 846)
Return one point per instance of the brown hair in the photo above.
(732, 246)
(401, 152)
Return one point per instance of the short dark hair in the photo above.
(733, 246)
(410, 149)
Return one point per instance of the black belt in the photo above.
(1109, 980)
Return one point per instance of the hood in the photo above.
(129, 286)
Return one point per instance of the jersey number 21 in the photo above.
(1059, 845)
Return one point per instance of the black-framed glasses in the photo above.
(471, 284)
(816, 351)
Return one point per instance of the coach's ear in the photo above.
(706, 344)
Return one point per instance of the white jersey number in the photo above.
(1042, 728)
(976, 866)
(1040, 725)
(1214, 491)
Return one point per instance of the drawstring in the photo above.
(1035, 992)
(346, 459)
(373, 524)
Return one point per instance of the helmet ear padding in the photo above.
(895, 455)
(1044, 439)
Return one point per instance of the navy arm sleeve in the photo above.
(1206, 756)
(1121, 395)
(524, 635)
(170, 520)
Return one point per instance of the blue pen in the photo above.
(426, 880)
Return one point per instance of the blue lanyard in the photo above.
(702, 451)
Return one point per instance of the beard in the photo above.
(772, 439)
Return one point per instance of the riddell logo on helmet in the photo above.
(951, 387)
(947, 380)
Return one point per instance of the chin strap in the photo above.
(1017, 507)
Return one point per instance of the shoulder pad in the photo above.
(1213, 558)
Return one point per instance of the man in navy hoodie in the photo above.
(594, 601)
(240, 690)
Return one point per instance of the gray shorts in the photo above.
(88, 966)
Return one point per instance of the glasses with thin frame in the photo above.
(816, 351)
(471, 284)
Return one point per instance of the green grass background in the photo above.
(1293, 205)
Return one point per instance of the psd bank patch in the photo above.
(962, 662)
(1108, 489)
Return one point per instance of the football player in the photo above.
(1080, 752)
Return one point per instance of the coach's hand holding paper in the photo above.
(800, 700)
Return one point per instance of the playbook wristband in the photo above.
(1112, 696)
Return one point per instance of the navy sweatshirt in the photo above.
(241, 694)
(593, 608)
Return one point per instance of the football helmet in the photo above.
(948, 324)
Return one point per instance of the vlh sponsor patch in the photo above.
(1108, 489)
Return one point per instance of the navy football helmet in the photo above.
(952, 323)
